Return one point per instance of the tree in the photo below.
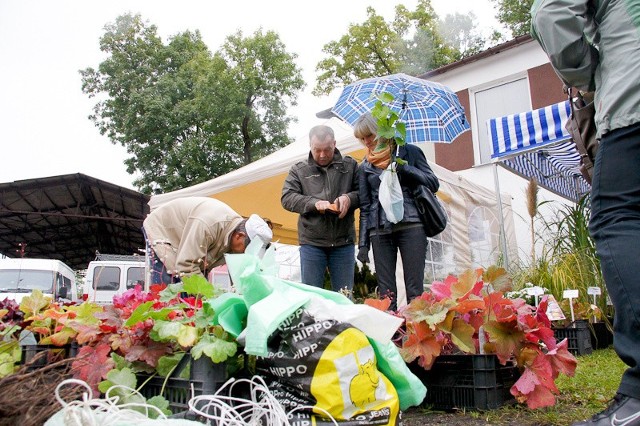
(411, 43)
(515, 15)
(460, 31)
(186, 115)
(367, 50)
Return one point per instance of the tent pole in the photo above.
(503, 233)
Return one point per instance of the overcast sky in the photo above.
(44, 129)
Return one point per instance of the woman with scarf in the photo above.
(376, 230)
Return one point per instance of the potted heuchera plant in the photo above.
(151, 332)
(469, 314)
(11, 318)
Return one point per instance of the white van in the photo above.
(111, 275)
(19, 277)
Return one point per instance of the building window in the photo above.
(496, 101)
(440, 261)
(484, 237)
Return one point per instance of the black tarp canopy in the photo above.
(70, 217)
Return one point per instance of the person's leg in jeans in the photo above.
(342, 262)
(313, 264)
(412, 243)
(157, 271)
(385, 254)
(615, 227)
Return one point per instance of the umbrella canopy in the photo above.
(430, 111)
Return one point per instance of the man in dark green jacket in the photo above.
(323, 190)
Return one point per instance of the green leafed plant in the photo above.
(151, 331)
(10, 319)
(55, 323)
(390, 128)
(122, 383)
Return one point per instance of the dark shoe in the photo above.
(622, 411)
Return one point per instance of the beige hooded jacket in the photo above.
(191, 235)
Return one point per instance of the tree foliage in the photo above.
(186, 115)
(412, 43)
(514, 14)
(460, 31)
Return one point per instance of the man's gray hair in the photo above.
(241, 228)
(321, 132)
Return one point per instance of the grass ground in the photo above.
(588, 392)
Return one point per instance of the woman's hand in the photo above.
(363, 255)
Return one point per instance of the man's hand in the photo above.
(343, 203)
(322, 205)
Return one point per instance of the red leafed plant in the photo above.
(469, 314)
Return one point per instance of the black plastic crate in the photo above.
(205, 378)
(601, 335)
(578, 336)
(470, 382)
(37, 356)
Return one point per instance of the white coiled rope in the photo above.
(263, 409)
(103, 412)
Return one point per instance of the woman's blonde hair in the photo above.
(365, 126)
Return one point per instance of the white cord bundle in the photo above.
(102, 412)
(263, 409)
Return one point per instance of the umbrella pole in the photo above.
(503, 237)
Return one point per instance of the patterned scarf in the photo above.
(380, 156)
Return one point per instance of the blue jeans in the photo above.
(157, 270)
(615, 227)
(341, 262)
(412, 243)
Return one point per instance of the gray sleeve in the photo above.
(560, 26)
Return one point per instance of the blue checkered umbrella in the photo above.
(430, 111)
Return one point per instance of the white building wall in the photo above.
(500, 68)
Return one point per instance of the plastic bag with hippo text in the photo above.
(327, 365)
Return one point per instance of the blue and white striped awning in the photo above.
(535, 144)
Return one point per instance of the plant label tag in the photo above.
(596, 291)
(554, 313)
(570, 294)
(535, 291)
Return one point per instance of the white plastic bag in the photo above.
(390, 194)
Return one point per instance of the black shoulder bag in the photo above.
(432, 214)
(582, 128)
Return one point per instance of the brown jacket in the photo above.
(191, 235)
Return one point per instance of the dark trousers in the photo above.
(412, 244)
(615, 227)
